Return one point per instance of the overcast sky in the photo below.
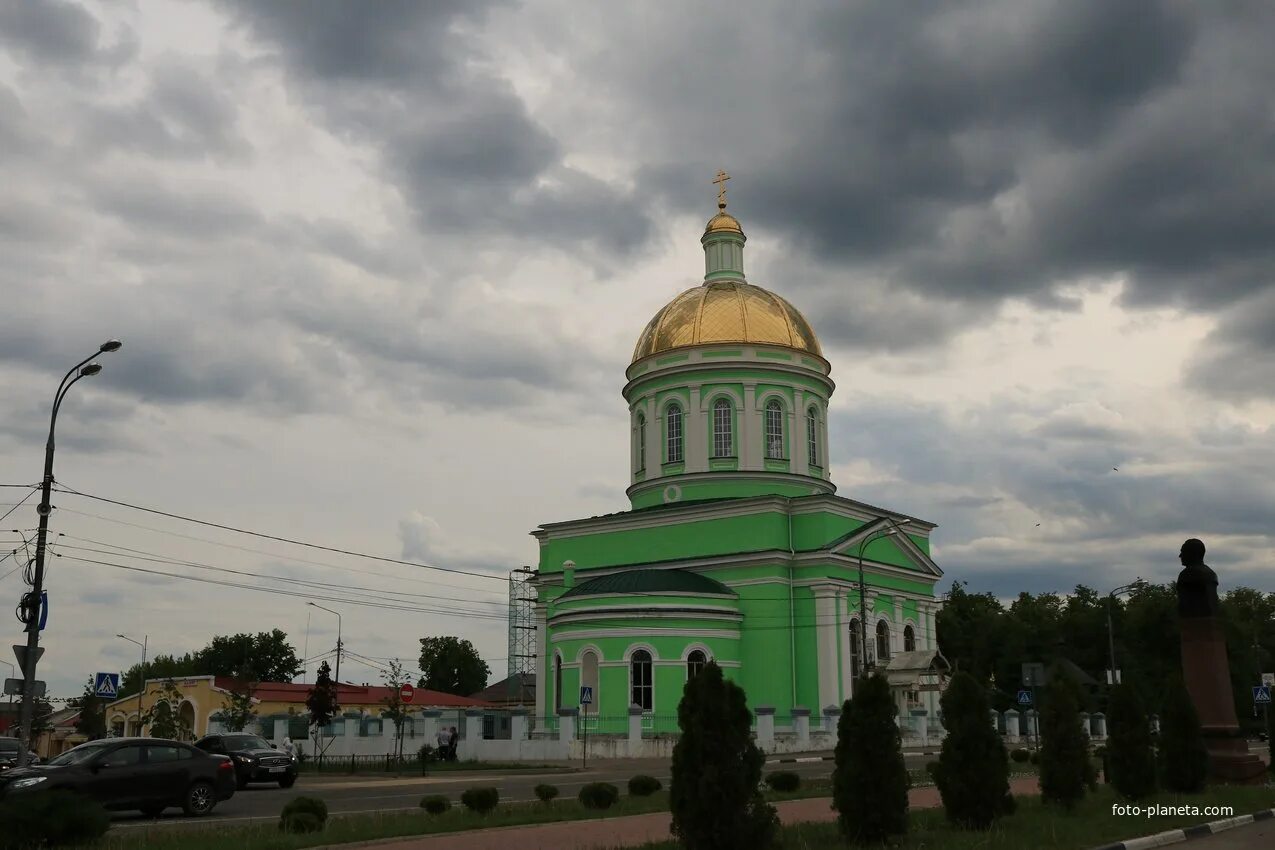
(379, 268)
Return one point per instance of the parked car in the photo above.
(255, 758)
(146, 774)
(9, 749)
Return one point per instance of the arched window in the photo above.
(695, 662)
(641, 442)
(640, 689)
(883, 641)
(774, 429)
(856, 656)
(557, 683)
(589, 673)
(909, 639)
(673, 426)
(812, 438)
(723, 445)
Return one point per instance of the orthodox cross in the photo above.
(720, 180)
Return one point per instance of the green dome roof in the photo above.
(651, 581)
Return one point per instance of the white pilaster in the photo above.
(826, 641)
(800, 462)
(750, 430)
(696, 436)
(542, 656)
(654, 440)
(843, 640)
(896, 634)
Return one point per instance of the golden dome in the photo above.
(723, 221)
(726, 311)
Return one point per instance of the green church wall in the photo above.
(721, 489)
(721, 536)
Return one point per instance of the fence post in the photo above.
(765, 727)
(801, 726)
(635, 731)
(831, 713)
(1099, 725)
(1011, 726)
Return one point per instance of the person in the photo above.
(451, 745)
(442, 743)
(289, 748)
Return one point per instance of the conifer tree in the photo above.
(1183, 759)
(714, 793)
(1065, 769)
(972, 773)
(870, 781)
(1130, 754)
(1270, 735)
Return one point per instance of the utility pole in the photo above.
(32, 604)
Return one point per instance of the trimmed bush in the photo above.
(644, 786)
(715, 794)
(1020, 755)
(1065, 768)
(599, 795)
(870, 781)
(300, 822)
(783, 780)
(546, 793)
(55, 819)
(306, 805)
(480, 800)
(1034, 758)
(425, 753)
(1183, 761)
(973, 768)
(435, 804)
(1129, 757)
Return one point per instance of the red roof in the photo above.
(357, 694)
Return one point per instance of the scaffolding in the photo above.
(522, 628)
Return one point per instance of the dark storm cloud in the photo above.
(456, 139)
(49, 30)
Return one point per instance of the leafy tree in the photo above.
(1065, 769)
(973, 768)
(453, 666)
(322, 700)
(968, 626)
(714, 792)
(237, 710)
(92, 720)
(1183, 759)
(1130, 753)
(165, 717)
(263, 657)
(395, 709)
(870, 781)
(159, 667)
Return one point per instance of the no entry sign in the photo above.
(406, 692)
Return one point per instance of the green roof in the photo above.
(650, 581)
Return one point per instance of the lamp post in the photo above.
(892, 528)
(30, 606)
(338, 646)
(141, 689)
(1111, 632)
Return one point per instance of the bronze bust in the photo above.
(1197, 583)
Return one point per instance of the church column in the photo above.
(749, 430)
(654, 440)
(542, 658)
(800, 456)
(695, 436)
(826, 641)
(823, 444)
(793, 445)
(843, 640)
(896, 634)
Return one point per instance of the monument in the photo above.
(1207, 675)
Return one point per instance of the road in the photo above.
(365, 794)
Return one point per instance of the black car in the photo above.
(147, 774)
(9, 749)
(255, 759)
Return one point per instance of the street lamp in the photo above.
(892, 527)
(338, 645)
(29, 608)
(1111, 632)
(142, 686)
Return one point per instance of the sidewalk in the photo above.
(633, 830)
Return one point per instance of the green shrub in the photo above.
(973, 768)
(1183, 759)
(435, 804)
(644, 786)
(1020, 755)
(870, 781)
(546, 793)
(425, 753)
(480, 800)
(715, 795)
(1035, 757)
(1270, 735)
(599, 795)
(783, 780)
(1064, 753)
(306, 805)
(300, 822)
(1129, 757)
(55, 819)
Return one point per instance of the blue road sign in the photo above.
(106, 685)
(44, 609)
(1262, 695)
(586, 695)
(1024, 697)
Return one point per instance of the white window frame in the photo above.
(723, 428)
(812, 435)
(774, 421)
(649, 686)
(673, 415)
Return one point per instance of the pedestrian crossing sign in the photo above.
(1262, 695)
(586, 695)
(1024, 697)
(106, 685)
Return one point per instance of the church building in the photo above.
(736, 547)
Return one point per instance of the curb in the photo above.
(1173, 836)
(806, 759)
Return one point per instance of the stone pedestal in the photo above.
(801, 726)
(766, 727)
(1208, 680)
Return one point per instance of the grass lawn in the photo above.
(1038, 826)
(266, 835)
